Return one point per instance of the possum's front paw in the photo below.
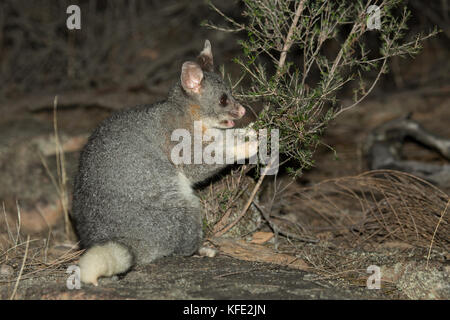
(247, 143)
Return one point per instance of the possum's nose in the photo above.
(238, 112)
(241, 110)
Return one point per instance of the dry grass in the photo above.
(60, 181)
(371, 208)
(33, 257)
(223, 200)
(38, 259)
(385, 218)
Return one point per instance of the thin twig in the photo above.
(61, 170)
(435, 230)
(289, 40)
(249, 201)
(21, 269)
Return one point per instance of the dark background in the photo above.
(137, 47)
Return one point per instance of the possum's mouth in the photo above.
(227, 123)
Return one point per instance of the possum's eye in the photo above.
(224, 100)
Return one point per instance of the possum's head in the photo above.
(210, 99)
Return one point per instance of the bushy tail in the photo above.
(104, 260)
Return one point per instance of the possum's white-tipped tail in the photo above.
(104, 260)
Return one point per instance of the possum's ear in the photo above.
(191, 77)
(205, 59)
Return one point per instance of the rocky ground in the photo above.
(221, 277)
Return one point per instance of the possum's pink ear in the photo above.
(205, 59)
(191, 77)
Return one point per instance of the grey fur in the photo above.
(127, 190)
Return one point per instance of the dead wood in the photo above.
(384, 145)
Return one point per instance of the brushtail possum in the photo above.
(132, 204)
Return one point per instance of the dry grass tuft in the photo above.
(32, 258)
(372, 208)
(223, 201)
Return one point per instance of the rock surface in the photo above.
(197, 278)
